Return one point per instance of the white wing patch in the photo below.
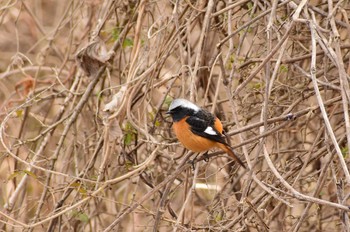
(210, 131)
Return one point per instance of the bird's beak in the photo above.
(168, 112)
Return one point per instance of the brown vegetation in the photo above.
(86, 146)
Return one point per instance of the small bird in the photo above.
(197, 129)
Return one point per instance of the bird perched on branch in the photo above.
(197, 129)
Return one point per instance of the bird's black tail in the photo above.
(229, 151)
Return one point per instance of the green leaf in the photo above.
(115, 34)
(99, 95)
(157, 123)
(256, 86)
(83, 217)
(218, 217)
(151, 115)
(129, 134)
(129, 127)
(29, 173)
(21, 172)
(79, 187)
(232, 59)
(82, 191)
(80, 216)
(284, 68)
(14, 175)
(250, 5)
(128, 165)
(167, 101)
(345, 151)
(128, 43)
(19, 113)
(128, 139)
(75, 185)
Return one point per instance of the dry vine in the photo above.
(86, 146)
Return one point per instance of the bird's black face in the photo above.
(180, 112)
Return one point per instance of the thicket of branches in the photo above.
(86, 146)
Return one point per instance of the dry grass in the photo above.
(73, 159)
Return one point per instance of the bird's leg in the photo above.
(195, 158)
(193, 161)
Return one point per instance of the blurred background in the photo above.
(85, 144)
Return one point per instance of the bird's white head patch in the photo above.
(184, 103)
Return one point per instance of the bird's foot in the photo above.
(206, 157)
(193, 162)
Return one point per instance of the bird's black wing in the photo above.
(205, 128)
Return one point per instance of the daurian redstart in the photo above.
(197, 129)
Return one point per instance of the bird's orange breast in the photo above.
(192, 141)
